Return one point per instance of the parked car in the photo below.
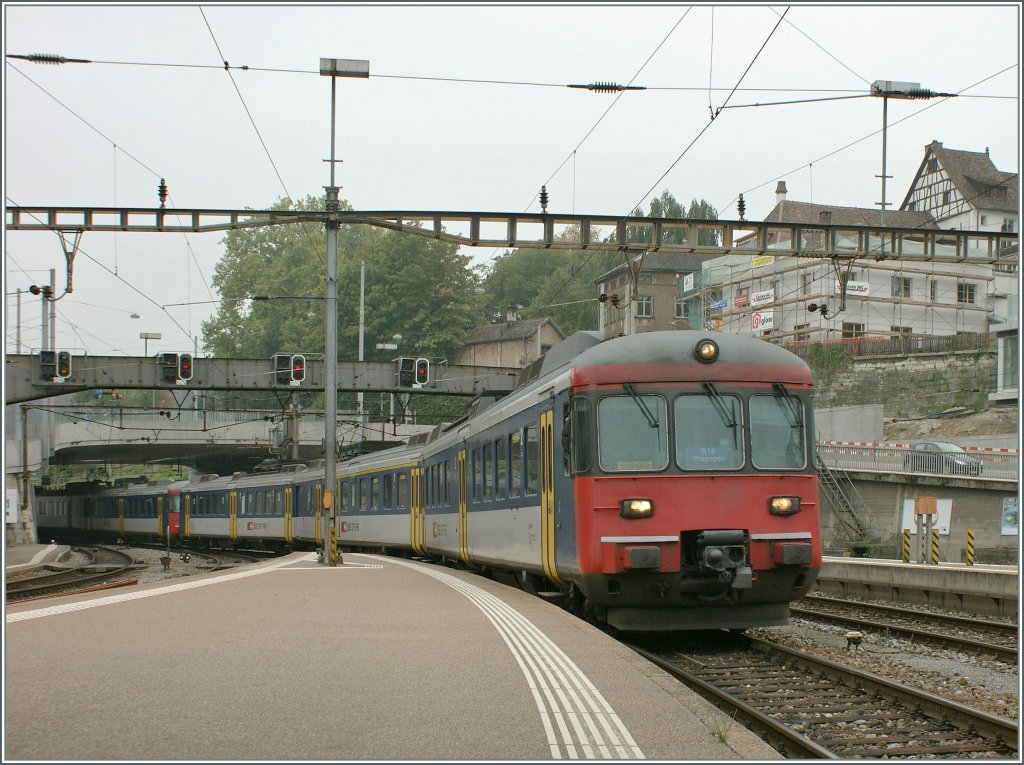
(943, 458)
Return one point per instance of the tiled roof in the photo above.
(810, 213)
(973, 173)
(672, 262)
(492, 333)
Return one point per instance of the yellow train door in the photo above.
(547, 494)
(417, 514)
(463, 507)
(233, 514)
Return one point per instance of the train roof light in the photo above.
(706, 351)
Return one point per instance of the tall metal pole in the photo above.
(885, 131)
(362, 319)
(331, 352)
(53, 311)
(18, 321)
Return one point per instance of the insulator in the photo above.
(741, 207)
(544, 198)
(605, 87)
(47, 58)
(162, 192)
(919, 93)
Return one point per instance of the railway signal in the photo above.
(185, 367)
(406, 372)
(48, 365)
(63, 364)
(298, 368)
(282, 368)
(422, 371)
(169, 367)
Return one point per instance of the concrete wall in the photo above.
(978, 506)
(849, 423)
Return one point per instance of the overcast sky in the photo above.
(466, 109)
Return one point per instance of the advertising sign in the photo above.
(761, 260)
(762, 298)
(1009, 523)
(852, 288)
(761, 321)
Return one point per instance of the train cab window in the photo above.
(632, 433)
(515, 463)
(501, 468)
(709, 431)
(488, 471)
(403, 491)
(576, 436)
(532, 460)
(778, 439)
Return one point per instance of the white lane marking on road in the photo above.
(82, 605)
(564, 695)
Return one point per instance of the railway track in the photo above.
(811, 708)
(104, 568)
(959, 633)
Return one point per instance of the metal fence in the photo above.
(897, 345)
(996, 464)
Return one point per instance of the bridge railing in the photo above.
(1001, 464)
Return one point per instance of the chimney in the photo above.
(511, 315)
(780, 192)
(825, 216)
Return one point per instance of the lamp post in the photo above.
(333, 68)
(887, 89)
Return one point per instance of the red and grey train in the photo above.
(660, 481)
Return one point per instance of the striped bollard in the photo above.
(970, 547)
(905, 547)
(935, 547)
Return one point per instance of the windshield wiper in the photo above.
(728, 417)
(632, 391)
(792, 405)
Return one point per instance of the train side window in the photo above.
(488, 471)
(375, 493)
(477, 475)
(243, 501)
(353, 488)
(515, 463)
(343, 496)
(447, 475)
(532, 460)
(500, 468)
(364, 496)
(270, 503)
(403, 490)
(279, 498)
(389, 499)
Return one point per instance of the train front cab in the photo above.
(696, 503)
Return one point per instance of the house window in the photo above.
(901, 286)
(806, 283)
(645, 307)
(645, 279)
(680, 308)
(1009, 225)
(933, 165)
(912, 206)
(933, 290)
(964, 292)
(998, 192)
(901, 330)
(984, 220)
(802, 332)
(945, 197)
(851, 329)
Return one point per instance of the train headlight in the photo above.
(784, 505)
(706, 350)
(636, 508)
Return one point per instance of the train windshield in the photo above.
(709, 431)
(632, 433)
(778, 439)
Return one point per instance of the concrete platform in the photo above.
(375, 659)
(29, 556)
(980, 589)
